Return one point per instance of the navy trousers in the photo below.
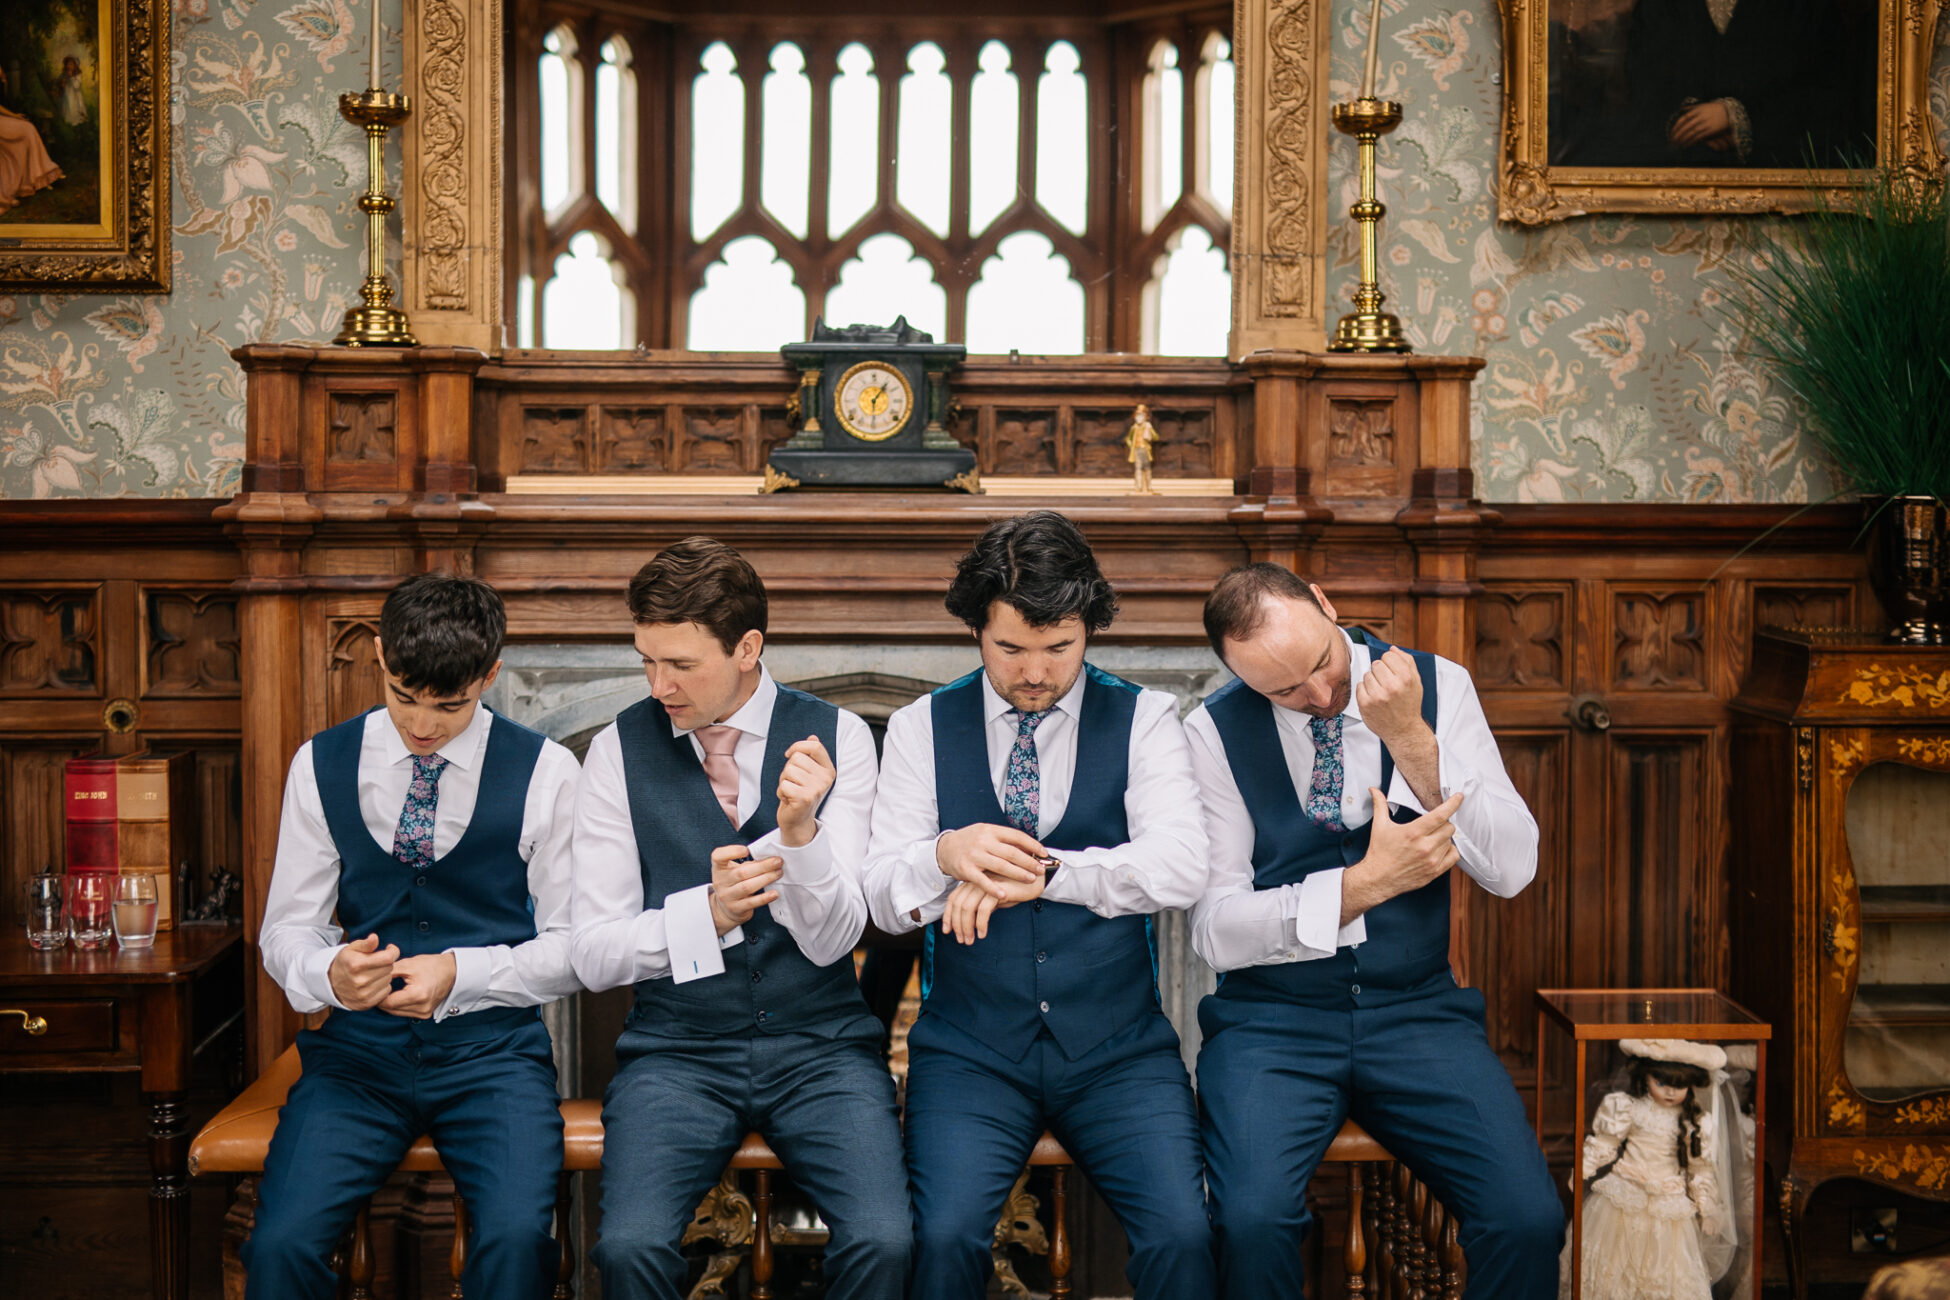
(1277, 1079)
(1124, 1112)
(489, 1103)
(677, 1109)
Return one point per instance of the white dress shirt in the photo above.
(1161, 866)
(301, 935)
(1235, 925)
(619, 941)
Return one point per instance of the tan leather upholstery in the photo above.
(236, 1139)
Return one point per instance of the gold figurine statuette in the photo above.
(1138, 442)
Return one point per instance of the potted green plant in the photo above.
(1852, 306)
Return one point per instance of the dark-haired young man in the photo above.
(1033, 815)
(1341, 779)
(719, 836)
(436, 833)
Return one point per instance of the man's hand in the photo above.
(429, 980)
(989, 856)
(807, 776)
(1400, 857)
(740, 885)
(1390, 698)
(966, 916)
(362, 973)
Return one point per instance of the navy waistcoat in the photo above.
(1049, 965)
(473, 896)
(768, 985)
(1408, 936)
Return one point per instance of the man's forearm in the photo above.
(1419, 759)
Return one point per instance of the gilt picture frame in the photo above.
(1628, 105)
(84, 146)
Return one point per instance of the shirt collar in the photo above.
(463, 751)
(754, 716)
(994, 706)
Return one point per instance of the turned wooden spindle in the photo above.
(1418, 1246)
(1059, 1237)
(1386, 1283)
(1354, 1254)
(762, 1236)
(1371, 1225)
(358, 1261)
(457, 1256)
(565, 1264)
(1453, 1271)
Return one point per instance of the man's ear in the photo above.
(1326, 605)
(493, 672)
(750, 647)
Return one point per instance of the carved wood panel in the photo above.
(1019, 442)
(552, 440)
(362, 427)
(1521, 638)
(50, 642)
(1361, 447)
(635, 439)
(192, 643)
(1661, 887)
(714, 441)
(1098, 443)
(1518, 944)
(1813, 606)
(1658, 640)
(32, 835)
(354, 681)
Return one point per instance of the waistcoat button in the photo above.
(425, 926)
(1356, 990)
(1039, 907)
(419, 880)
(757, 975)
(1044, 1007)
(1042, 956)
(762, 1015)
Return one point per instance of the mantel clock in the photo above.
(871, 400)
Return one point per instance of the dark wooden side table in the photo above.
(117, 1010)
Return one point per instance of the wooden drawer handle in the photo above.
(33, 1024)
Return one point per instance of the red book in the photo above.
(92, 814)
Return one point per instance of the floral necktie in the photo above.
(413, 841)
(1022, 783)
(1324, 794)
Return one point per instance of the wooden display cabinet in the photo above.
(1840, 908)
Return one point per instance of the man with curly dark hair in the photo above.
(1033, 816)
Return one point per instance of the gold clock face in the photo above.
(873, 401)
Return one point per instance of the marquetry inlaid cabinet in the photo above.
(1840, 908)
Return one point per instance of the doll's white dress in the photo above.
(1642, 1220)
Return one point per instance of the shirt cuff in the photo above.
(315, 975)
(922, 885)
(807, 866)
(1074, 881)
(696, 948)
(472, 969)
(1317, 926)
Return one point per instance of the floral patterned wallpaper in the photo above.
(1611, 376)
(105, 395)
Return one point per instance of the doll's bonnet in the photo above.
(1706, 1056)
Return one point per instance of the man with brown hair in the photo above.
(1341, 779)
(738, 938)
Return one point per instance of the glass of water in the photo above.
(135, 910)
(47, 911)
(91, 896)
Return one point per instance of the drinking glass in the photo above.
(47, 911)
(90, 902)
(135, 910)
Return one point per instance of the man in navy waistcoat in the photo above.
(1341, 779)
(719, 836)
(1033, 816)
(438, 834)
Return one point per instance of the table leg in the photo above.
(169, 1195)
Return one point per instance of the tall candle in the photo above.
(374, 82)
(1367, 81)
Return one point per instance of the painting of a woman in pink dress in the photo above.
(24, 164)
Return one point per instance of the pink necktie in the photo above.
(720, 743)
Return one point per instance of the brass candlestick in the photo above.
(1368, 328)
(375, 322)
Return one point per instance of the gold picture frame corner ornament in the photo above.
(126, 247)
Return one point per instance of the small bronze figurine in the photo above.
(1141, 438)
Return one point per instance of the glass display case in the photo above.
(1665, 1104)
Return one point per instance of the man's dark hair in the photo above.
(700, 580)
(441, 633)
(1039, 564)
(1237, 606)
